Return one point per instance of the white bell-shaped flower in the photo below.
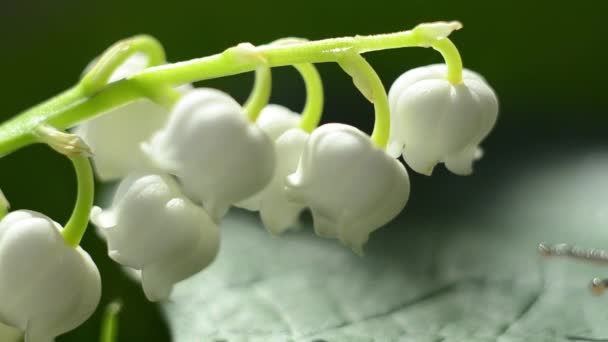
(153, 228)
(217, 155)
(46, 287)
(434, 121)
(274, 120)
(351, 186)
(115, 136)
(277, 211)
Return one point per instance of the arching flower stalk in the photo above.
(4, 205)
(115, 137)
(345, 176)
(289, 132)
(40, 260)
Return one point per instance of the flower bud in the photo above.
(217, 155)
(274, 120)
(115, 136)
(46, 287)
(434, 121)
(152, 227)
(351, 186)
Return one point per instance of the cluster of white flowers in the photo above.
(183, 168)
(207, 157)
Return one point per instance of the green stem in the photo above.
(78, 104)
(18, 131)
(311, 114)
(452, 59)
(109, 323)
(77, 224)
(329, 50)
(260, 95)
(313, 109)
(116, 55)
(368, 82)
(162, 95)
(4, 205)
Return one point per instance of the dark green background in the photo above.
(545, 59)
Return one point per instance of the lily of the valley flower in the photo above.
(351, 186)
(152, 227)
(278, 213)
(115, 137)
(46, 287)
(434, 121)
(218, 156)
(274, 120)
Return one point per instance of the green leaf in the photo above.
(459, 265)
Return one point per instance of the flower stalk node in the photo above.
(429, 33)
(67, 144)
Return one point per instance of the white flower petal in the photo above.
(217, 155)
(277, 212)
(274, 120)
(159, 232)
(461, 163)
(435, 121)
(351, 186)
(115, 136)
(36, 268)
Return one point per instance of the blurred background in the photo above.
(545, 59)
